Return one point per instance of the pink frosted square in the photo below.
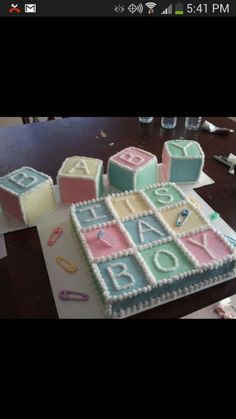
(215, 244)
(76, 190)
(11, 205)
(136, 153)
(99, 248)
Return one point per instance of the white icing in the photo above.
(165, 193)
(93, 213)
(81, 164)
(132, 158)
(124, 273)
(20, 178)
(169, 253)
(147, 228)
(183, 147)
(202, 244)
(128, 204)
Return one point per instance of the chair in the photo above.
(33, 119)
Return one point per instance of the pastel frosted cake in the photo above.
(147, 247)
(182, 161)
(132, 169)
(80, 179)
(27, 194)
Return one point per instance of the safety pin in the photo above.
(182, 217)
(106, 238)
(231, 240)
(66, 264)
(56, 233)
(67, 295)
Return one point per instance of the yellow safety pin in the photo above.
(66, 264)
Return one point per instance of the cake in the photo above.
(132, 169)
(27, 194)
(80, 179)
(182, 161)
(147, 247)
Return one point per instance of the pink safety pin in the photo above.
(67, 295)
(56, 233)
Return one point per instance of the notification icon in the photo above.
(14, 8)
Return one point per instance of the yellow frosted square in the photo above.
(194, 220)
(128, 205)
(80, 166)
(38, 202)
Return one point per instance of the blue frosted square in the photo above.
(28, 173)
(132, 279)
(185, 169)
(93, 213)
(145, 229)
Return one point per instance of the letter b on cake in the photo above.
(132, 169)
(80, 179)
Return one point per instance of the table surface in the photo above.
(25, 290)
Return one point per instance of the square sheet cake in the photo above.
(147, 247)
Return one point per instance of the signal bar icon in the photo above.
(168, 10)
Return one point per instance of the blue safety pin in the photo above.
(182, 216)
(231, 240)
(105, 238)
(66, 295)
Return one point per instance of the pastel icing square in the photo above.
(166, 260)
(127, 205)
(122, 275)
(132, 168)
(164, 195)
(192, 221)
(145, 229)
(114, 243)
(80, 179)
(27, 194)
(182, 161)
(206, 246)
(92, 213)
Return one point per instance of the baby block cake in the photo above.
(132, 169)
(182, 161)
(80, 179)
(148, 247)
(27, 194)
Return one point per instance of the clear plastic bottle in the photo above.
(145, 119)
(168, 122)
(193, 123)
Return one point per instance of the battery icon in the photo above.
(179, 9)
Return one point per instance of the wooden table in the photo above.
(25, 290)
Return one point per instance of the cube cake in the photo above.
(182, 161)
(27, 194)
(132, 169)
(147, 247)
(80, 179)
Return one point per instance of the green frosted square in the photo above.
(164, 195)
(118, 177)
(146, 176)
(166, 261)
